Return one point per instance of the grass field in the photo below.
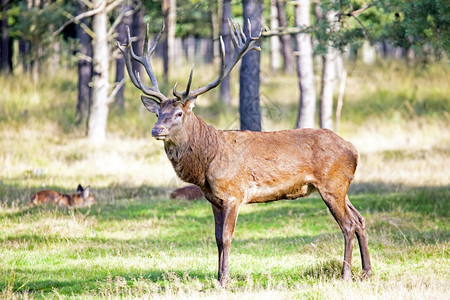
(138, 243)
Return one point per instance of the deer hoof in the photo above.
(366, 274)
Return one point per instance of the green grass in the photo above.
(137, 243)
(140, 244)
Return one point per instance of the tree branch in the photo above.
(118, 20)
(285, 31)
(116, 89)
(353, 14)
(104, 6)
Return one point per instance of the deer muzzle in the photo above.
(159, 132)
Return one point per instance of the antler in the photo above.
(144, 60)
(242, 44)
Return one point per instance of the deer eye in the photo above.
(179, 114)
(157, 115)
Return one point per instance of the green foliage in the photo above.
(35, 24)
(417, 24)
(421, 25)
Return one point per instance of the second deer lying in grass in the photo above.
(83, 197)
(189, 192)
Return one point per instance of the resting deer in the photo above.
(189, 192)
(82, 198)
(233, 168)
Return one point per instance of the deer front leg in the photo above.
(225, 221)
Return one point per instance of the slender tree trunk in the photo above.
(169, 14)
(326, 92)
(225, 94)
(286, 42)
(35, 65)
(305, 70)
(36, 47)
(275, 59)
(100, 84)
(5, 42)
(249, 110)
(120, 63)
(215, 26)
(84, 71)
(24, 52)
(329, 79)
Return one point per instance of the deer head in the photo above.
(174, 114)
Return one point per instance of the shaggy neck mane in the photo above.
(191, 158)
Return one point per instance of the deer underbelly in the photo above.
(259, 193)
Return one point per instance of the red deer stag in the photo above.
(233, 168)
(82, 198)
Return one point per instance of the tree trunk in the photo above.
(36, 48)
(169, 13)
(215, 27)
(249, 110)
(286, 44)
(329, 79)
(225, 94)
(5, 42)
(100, 84)
(84, 72)
(274, 40)
(120, 63)
(24, 52)
(305, 70)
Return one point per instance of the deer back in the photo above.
(268, 166)
(46, 197)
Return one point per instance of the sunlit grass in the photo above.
(152, 245)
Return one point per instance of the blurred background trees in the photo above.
(38, 37)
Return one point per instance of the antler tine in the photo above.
(158, 37)
(144, 60)
(242, 44)
(234, 39)
(178, 95)
(127, 54)
(182, 96)
(188, 87)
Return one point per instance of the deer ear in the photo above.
(80, 189)
(189, 105)
(86, 192)
(150, 104)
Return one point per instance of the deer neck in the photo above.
(193, 151)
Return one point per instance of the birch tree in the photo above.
(305, 70)
(225, 94)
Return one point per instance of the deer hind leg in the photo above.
(350, 221)
(345, 219)
(362, 240)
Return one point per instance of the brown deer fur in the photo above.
(233, 168)
(82, 198)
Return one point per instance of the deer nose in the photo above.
(156, 131)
